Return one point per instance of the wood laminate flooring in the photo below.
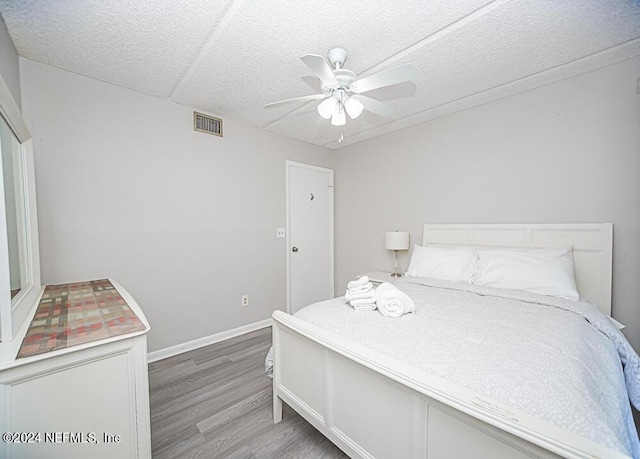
(216, 402)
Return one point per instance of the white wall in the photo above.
(9, 68)
(567, 152)
(185, 221)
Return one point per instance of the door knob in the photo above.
(294, 249)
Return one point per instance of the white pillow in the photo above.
(542, 271)
(449, 264)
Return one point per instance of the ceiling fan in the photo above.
(343, 91)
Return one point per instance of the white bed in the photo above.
(456, 399)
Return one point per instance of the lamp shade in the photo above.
(338, 118)
(326, 107)
(396, 240)
(353, 107)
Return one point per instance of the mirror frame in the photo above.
(14, 313)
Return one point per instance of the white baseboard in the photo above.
(205, 341)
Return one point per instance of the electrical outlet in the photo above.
(245, 300)
(280, 233)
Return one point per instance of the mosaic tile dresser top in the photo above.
(78, 313)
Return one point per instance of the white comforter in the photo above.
(556, 359)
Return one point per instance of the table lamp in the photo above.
(396, 241)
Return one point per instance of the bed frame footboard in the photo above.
(372, 406)
(277, 409)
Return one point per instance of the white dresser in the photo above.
(86, 400)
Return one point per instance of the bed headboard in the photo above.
(592, 247)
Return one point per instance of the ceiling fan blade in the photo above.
(389, 77)
(295, 99)
(374, 106)
(320, 67)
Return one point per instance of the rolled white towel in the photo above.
(363, 289)
(359, 282)
(369, 294)
(392, 302)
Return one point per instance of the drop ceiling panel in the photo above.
(140, 45)
(495, 51)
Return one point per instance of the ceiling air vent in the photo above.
(207, 124)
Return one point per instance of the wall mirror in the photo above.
(16, 223)
(19, 258)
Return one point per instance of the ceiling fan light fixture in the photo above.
(339, 118)
(327, 107)
(354, 107)
(343, 90)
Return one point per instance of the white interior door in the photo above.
(309, 234)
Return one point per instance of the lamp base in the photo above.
(396, 275)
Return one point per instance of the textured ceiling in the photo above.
(230, 57)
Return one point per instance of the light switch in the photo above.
(279, 233)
